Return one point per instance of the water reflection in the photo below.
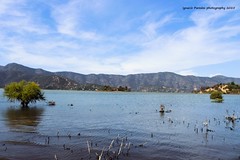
(23, 119)
(161, 114)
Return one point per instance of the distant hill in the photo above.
(158, 82)
(26, 70)
(14, 72)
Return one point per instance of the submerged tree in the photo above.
(25, 92)
(216, 96)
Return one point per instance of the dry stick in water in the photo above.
(100, 157)
(120, 148)
(110, 146)
(126, 145)
(141, 145)
(89, 150)
(129, 144)
(48, 139)
(55, 156)
(117, 138)
(128, 148)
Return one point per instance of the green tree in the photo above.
(216, 96)
(25, 92)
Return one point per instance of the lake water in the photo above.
(83, 122)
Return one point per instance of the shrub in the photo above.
(216, 96)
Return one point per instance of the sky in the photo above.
(122, 36)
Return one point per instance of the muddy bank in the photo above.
(71, 147)
(78, 147)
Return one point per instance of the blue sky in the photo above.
(122, 36)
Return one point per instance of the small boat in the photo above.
(51, 103)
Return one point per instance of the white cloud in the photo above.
(187, 72)
(70, 18)
(17, 18)
(5, 6)
(140, 44)
(204, 43)
(150, 28)
(215, 74)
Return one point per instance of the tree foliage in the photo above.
(120, 88)
(216, 95)
(25, 92)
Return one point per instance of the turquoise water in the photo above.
(100, 117)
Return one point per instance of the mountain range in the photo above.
(149, 82)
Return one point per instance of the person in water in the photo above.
(162, 107)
